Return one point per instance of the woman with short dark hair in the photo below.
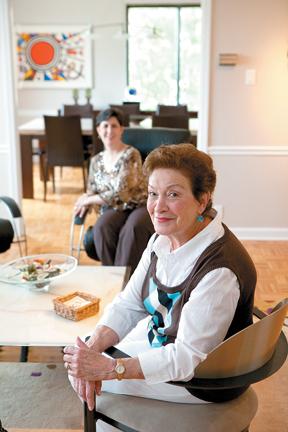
(117, 189)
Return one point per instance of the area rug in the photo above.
(38, 395)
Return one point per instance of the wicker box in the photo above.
(76, 306)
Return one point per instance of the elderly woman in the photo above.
(116, 186)
(193, 288)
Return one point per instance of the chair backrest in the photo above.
(172, 121)
(132, 107)
(17, 222)
(128, 107)
(172, 109)
(64, 141)
(247, 350)
(147, 139)
(6, 235)
(84, 111)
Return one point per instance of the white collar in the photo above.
(194, 246)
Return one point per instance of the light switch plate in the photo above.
(250, 76)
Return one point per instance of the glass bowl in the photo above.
(37, 271)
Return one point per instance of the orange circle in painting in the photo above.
(42, 53)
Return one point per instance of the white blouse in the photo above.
(205, 318)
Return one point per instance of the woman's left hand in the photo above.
(85, 363)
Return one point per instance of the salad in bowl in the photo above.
(37, 271)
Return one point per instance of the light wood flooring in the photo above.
(48, 228)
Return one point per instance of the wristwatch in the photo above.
(119, 369)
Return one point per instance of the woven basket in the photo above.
(76, 313)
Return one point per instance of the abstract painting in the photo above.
(53, 56)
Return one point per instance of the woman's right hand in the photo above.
(81, 206)
(86, 390)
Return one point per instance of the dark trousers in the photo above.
(120, 237)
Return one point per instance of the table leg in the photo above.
(24, 354)
(27, 166)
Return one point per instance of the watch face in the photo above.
(120, 368)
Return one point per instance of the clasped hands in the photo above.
(87, 368)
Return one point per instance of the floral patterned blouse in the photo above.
(124, 186)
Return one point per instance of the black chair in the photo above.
(128, 107)
(171, 121)
(10, 229)
(6, 234)
(247, 357)
(147, 139)
(84, 111)
(133, 106)
(172, 110)
(64, 146)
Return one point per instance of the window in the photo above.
(164, 54)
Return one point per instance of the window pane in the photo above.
(190, 52)
(153, 54)
(161, 39)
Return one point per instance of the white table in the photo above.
(27, 317)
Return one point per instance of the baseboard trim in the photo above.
(260, 233)
(248, 151)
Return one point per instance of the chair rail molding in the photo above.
(248, 151)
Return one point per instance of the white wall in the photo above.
(248, 128)
(248, 125)
(9, 144)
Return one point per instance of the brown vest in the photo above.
(227, 252)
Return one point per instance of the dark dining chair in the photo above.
(128, 107)
(84, 111)
(172, 109)
(12, 230)
(171, 121)
(251, 355)
(64, 146)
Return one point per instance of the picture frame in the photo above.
(53, 56)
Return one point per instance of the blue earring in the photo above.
(200, 218)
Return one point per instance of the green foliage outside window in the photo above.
(164, 55)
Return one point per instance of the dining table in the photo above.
(28, 317)
(35, 130)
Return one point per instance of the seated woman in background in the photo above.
(117, 187)
(193, 288)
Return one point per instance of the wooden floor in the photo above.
(48, 227)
